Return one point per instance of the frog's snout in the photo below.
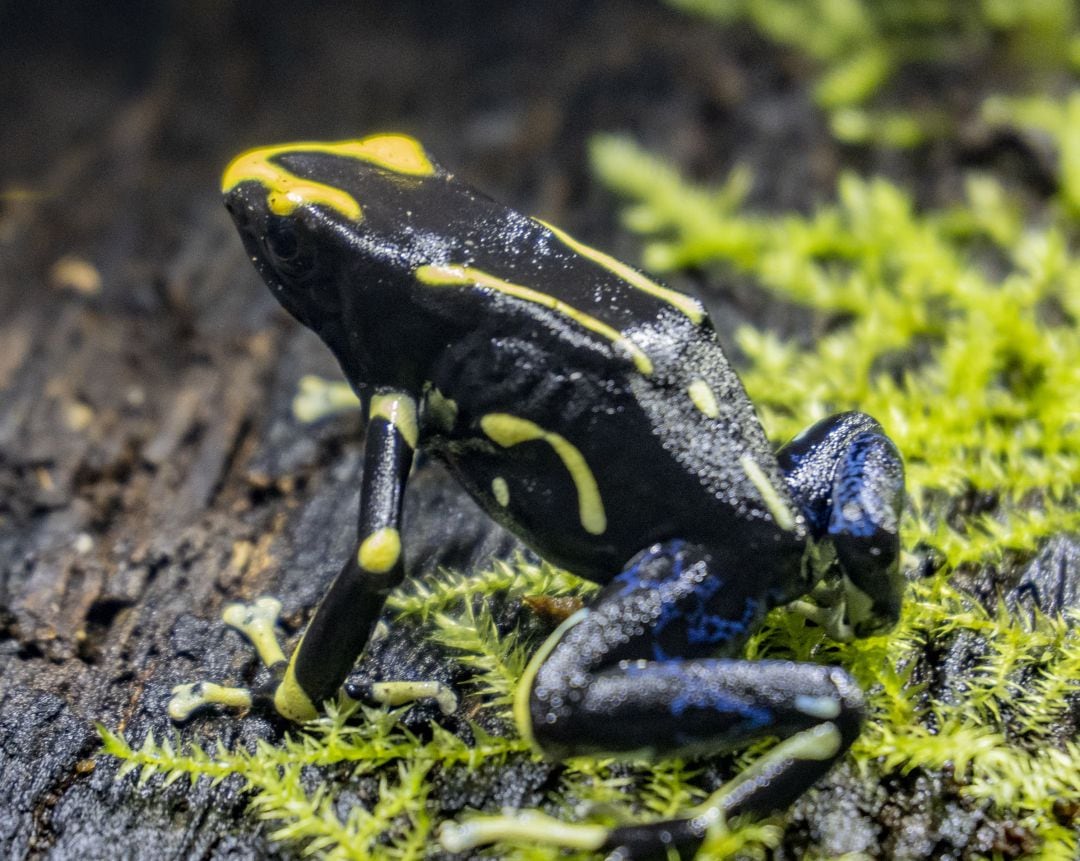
(246, 210)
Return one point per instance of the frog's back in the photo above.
(605, 418)
(584, 405)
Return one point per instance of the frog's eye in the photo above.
(287, 250)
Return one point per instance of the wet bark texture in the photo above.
(150, 468)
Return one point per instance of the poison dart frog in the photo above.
(592, 412)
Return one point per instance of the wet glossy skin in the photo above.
(592, 412)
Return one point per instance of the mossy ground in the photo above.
(959, 329)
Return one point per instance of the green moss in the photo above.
(864, 48)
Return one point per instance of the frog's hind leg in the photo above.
(631, 675)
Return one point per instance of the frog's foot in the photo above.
(526, 826)
(848, 479)
(828, 610)
(317, 399)
(257, 622)
(400, 693)
(682, 834)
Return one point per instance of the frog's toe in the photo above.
(189, 698)
(257, 622)
(317, 399)
(404, 692)
(529, 826)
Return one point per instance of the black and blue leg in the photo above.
(350, 609)
(636, 674)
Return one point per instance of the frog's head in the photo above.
(300, 211)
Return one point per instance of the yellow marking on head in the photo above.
(456, 274)
(522, 714)
(508, 430)
(703, 398)
(400, 411)
(769, 495)
(500, 491)
(399, 153)
(380, 551)
(285, 191)
(690, 306)
(290, 700)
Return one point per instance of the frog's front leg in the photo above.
(848, 479)
(634, 675)
(351, 607)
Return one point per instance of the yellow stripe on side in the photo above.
(508, 430)
(522, 715)
(400, 411)
(457, 274)
(286, 191)
(687, 304)
(769, 494)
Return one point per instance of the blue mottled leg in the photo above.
(636, 674)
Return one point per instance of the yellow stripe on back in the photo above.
(286, 191)
(687, 304)
(456, 274)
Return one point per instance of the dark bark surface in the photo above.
(150, 468)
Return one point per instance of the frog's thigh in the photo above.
(349, 610)
(625, 676)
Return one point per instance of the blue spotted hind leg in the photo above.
(636, 674)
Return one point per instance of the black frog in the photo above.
(592, 412)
